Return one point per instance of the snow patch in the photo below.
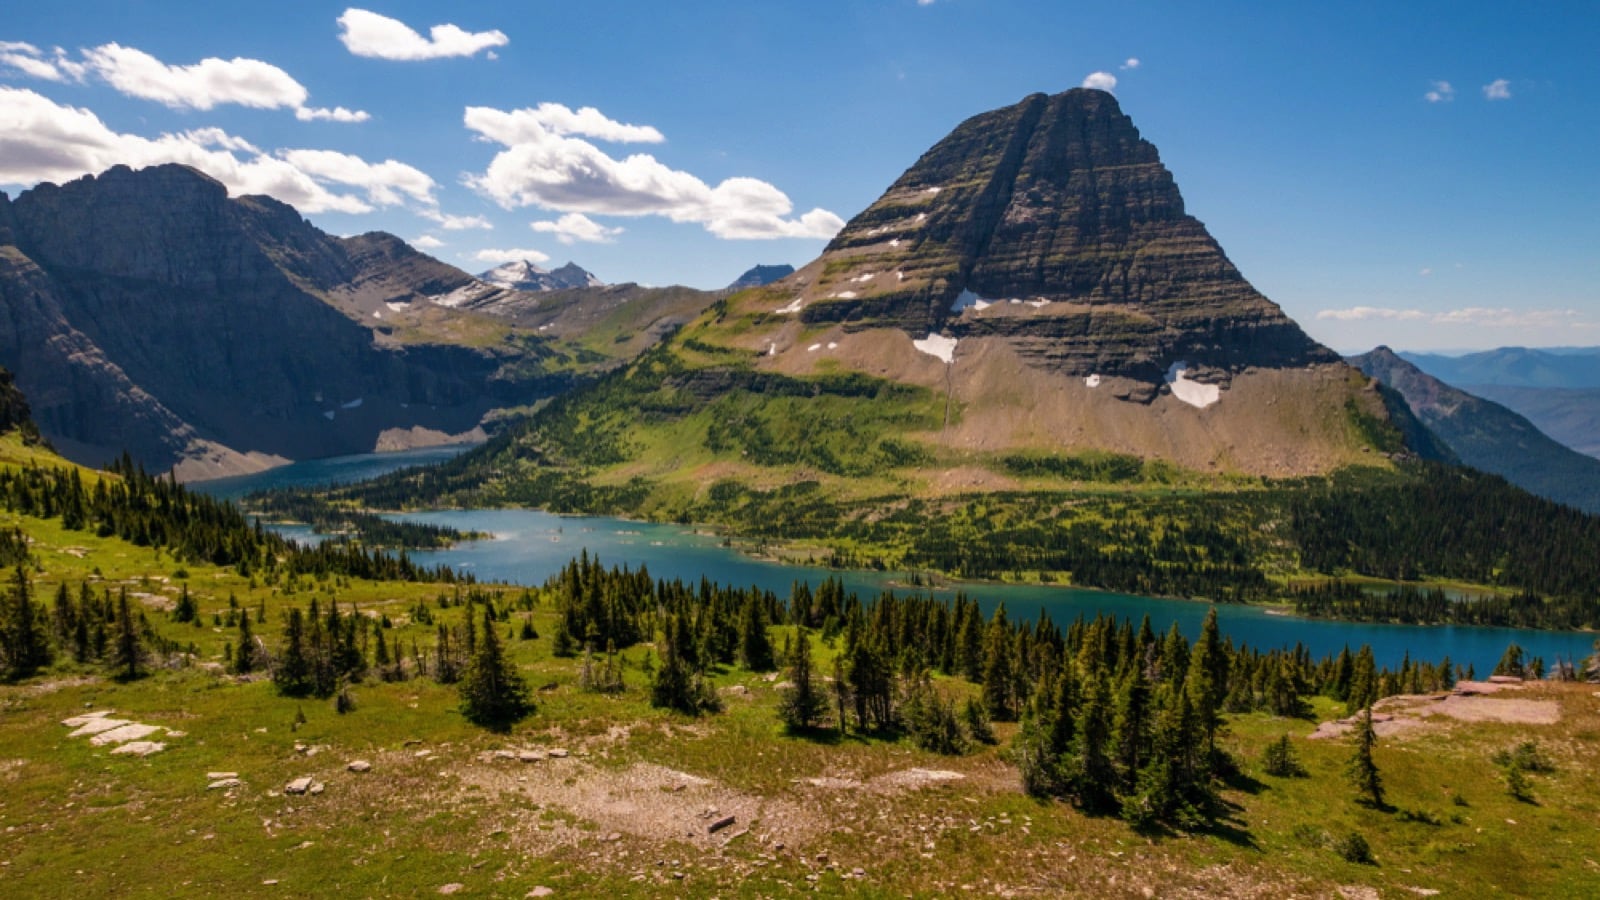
(376, 314)
(468, 292)
(845, 295)
(833, 345)
(899, 276)
(398, 307)
(933, 191)
(813, 348)
(1092, 381)
(921, 217)
(329, 415)
(353, 404)
(864, 277)
(1191, 392)
(937, 345)
(1039, 303)
(793, 307)
(772, 349)
(895, 242)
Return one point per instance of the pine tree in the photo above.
(755, 646)
(1362, 771)
(244, 661)
(1092, 774)
(1279, 760)
(24, 643)
(185, 609)
(802, 704)
(127, 651)
(493, 693)
(1510, 662)
(999, 668)
(1206, 679)
(292, 676)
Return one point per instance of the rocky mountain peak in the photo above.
(759, 275)
(524, 275)
(1052, 222)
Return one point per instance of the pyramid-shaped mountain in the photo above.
(1053, 223)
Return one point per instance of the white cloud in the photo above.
(1425, 272)
(1132, 62)
(384, 182)
(924, 2)
(574, 227)
(1479, 316)
(34, 63)
(456, 223)
(1101, 81)
(41, 140)
(369, 34)
(336, 114)
(207, 84)
(528, 125)
(505, 256)
(1442, 92)
(427, 242)
(544, 166)
(1498, 89)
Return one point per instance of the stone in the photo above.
(133, 731)
(140, 748)
(530, 756)
(213, 776)
(298, 785)
(719, 824)
(223, 784)
(83, 719)
(558, 753)
(98, 726)
(451, 888)
(540, 891)
(359, 765)
(317, 787)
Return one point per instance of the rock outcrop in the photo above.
(523, 275)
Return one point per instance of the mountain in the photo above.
(1488, 436)
(1570, 415)
(756, 276)
(150, 312)
(1568, 367)
(1029, 306)
(522, 275)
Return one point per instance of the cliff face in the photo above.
(1055, 205)
(148, 311)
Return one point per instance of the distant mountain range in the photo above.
(522, 275)
(150, 312)
(1557, 389)
(1487, 436)
(757, 276)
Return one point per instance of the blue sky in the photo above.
(725, 134)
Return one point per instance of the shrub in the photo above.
(1354, 848)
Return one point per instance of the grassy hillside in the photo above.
(627, 811)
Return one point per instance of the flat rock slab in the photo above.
(223, 784)
(359, 765)
(97, 725)
(214, 776)
(141, 748)
(84, 719)
(298, 786)
(133, 731)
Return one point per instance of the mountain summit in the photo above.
(523, 275)
(1054, 224)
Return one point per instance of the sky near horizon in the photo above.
(1422, 175)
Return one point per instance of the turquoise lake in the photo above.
(529, 546)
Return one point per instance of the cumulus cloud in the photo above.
(336, 114)
(369, 34)
(35, 63)
(574, 227)
(544, 165)
(1482, 316)
(1131, 62)
(205, 85)
(1101, 81)
(1442, 92)
(427, 242)
(505, 256)
(529, 125)
(41, 140)
(1498, 89)
(456, 223)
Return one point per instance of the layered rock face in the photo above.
(1053, 224)
(148, 311)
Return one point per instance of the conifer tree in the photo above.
(755, 646)
(999, 668)
(1362, 771)
(802, 704)
(244, 661)
(292, 675)
(1206, 679)
(493, 692)
(24, 643)
(1092, 773)
(127, 650)
(185, 610)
